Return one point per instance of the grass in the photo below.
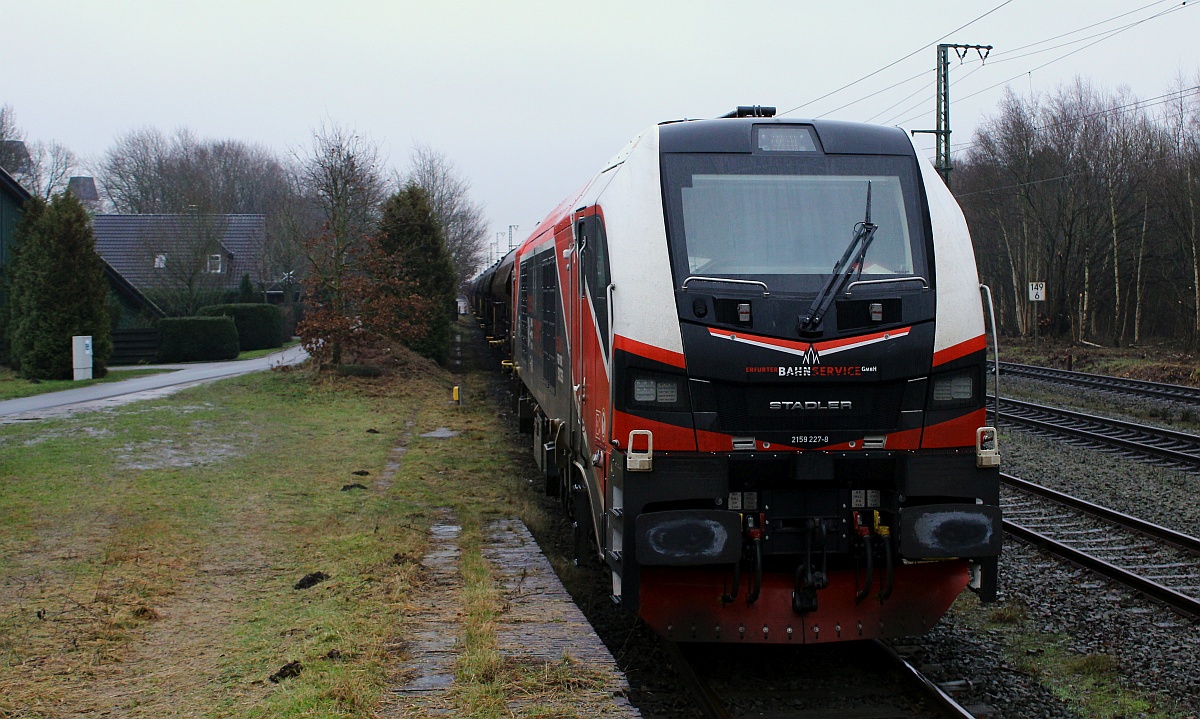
(1090, 683)
(255, 354)
(1154, 362)
(14, 387)
(148, 554)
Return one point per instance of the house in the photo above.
(136, 309)
(190, 253)
(12, 198)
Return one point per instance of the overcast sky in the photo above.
(528, 99)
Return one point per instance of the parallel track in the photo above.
(1164, 447)
(1118, 385)
(1123, 548)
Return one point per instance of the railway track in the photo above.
(1160, 563)
(1164, 447)
(905, 694)
(1117, 385)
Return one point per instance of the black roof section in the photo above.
(129, 243)
(12, 187)
(125, 287)
(737, 135)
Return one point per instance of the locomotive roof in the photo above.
(736, 135)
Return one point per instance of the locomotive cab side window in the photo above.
(594, 257)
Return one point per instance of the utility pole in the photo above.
(942, 160)
(511, 229)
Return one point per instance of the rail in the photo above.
(1060, 534)
(1119, 385)
(1164, 446)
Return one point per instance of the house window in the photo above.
(160, 261)
(214, 264)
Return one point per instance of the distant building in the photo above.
(169, 252)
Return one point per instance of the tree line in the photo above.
(1094, 193)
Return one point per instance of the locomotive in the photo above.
(751, 354)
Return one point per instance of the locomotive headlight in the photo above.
(954, 389)
(655, 391)
(644, 390)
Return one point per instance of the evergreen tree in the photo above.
(410, 229)
(56, 290)
(245, 292)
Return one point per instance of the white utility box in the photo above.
(81, 351)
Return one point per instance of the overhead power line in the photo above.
(1179, 6)
(896, 62)
(1164, 99)
(1003, 54)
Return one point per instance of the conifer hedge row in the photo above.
(197, 339)
(259, 326)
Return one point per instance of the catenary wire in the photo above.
(1128, 107)
(1182, 5)
(1001, 54)
(867, 97)
(896, 62)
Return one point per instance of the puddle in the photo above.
(441, 433)
(164, 453)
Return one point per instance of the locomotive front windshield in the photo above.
(786, 221)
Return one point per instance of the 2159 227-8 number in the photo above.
(810, 439)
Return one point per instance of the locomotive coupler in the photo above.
(809, 580)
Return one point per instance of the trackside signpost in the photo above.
(1037, 293)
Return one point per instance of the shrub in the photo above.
(259, 326)
(190, 339)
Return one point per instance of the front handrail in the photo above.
(765, 290)
(924, 282)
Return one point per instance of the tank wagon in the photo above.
(751, 355)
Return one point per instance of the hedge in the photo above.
(191, 339)
(259, 326)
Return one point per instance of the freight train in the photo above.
(751, 355)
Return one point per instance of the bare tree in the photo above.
(132, 173)
(462, 219)
(190, 264)
(1090, 192)
(145, 172)
(341, 176)
(51, 165)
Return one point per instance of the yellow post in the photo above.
(456, 399)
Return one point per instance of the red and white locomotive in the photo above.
(751, 353)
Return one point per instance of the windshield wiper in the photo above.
(851, 262)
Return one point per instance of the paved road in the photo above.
(149, 386)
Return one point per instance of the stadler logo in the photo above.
(834, 404)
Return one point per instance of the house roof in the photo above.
(11, 186)
(122, 286)
(129, 243)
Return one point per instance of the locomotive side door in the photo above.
(591, 352)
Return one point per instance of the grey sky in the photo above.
(529, 98)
